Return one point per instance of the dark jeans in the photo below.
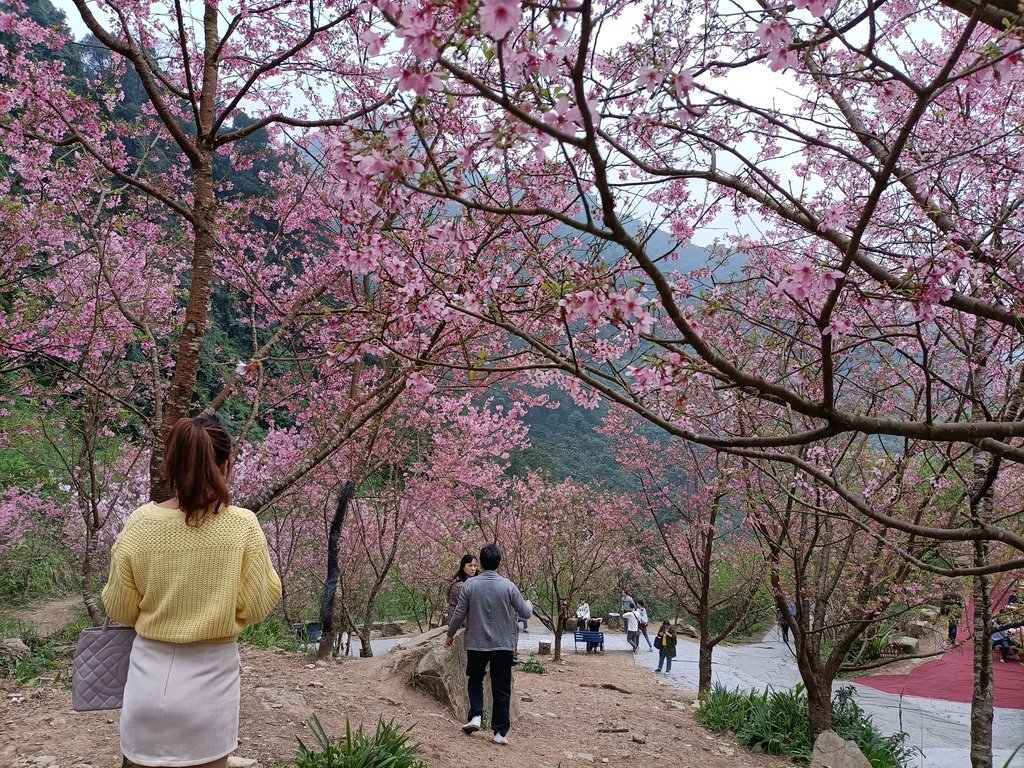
(643, 631)
(785, 631)
(952, 630)
(665, 660)
(1004, 646)
(501, 686)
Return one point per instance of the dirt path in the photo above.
(47, 618)
(566, 718)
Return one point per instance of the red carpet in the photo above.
(951, 677)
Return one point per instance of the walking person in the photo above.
(467, 570)
(488, 606)
(643, 618)
(189, 574)
(632, 625)
(665, 641)
(952, 609)
(784, 622)
(627, 603)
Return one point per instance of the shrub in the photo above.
(389, 746)
(272, 633)
(50, 657)
(533, 665)
(777, 722)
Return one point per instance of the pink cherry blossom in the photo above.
(499, 17)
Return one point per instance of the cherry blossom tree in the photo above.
(690, 531)
(562, 542)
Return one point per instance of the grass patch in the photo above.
(777, 723)
(272, 633)
(389, 746)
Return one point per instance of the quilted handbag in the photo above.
(101, 667)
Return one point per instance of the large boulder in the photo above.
(833, 751)
(688, 631)
(392, 629)
(427, 663)
(907, 645)
(917, 629)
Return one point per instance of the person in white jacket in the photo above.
(643, 619)
(582, 615)
(632, 624)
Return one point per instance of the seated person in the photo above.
(1001, 639)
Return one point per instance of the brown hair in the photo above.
(196, 448)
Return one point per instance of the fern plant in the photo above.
(389, 747)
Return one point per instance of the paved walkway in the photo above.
(941, 729)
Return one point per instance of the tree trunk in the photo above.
(178, 402)
(981, 699)
(559, 629)
(819, 704)
(88, 596)
(197, 311)
(327, 599)
(704, 669)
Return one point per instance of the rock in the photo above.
(426, 663)
(582, 757)
(907, 645)
(929, 614)
(687, 630)
(676, 704)
(242, 762)
(917, 628)
(43, 760)
(278, 698)
(15, 648)
(832, 751)
(526, 698)
(639, 738)
(392, 629)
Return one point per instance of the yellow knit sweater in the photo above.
(186, 584)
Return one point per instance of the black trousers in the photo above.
(501, 686)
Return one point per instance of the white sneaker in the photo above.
(499, 739)
(472, 726)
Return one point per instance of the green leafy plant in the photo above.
(533, 665)
(272, 633)
(48, 658)
(777, 723)
(388, 747)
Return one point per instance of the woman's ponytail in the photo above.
(195, 451)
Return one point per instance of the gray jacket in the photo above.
(488, 605)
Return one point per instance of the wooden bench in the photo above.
(593, 640)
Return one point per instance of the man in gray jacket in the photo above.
(488, 606)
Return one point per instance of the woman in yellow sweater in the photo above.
(189, 574)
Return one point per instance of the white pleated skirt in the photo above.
(180, 703)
